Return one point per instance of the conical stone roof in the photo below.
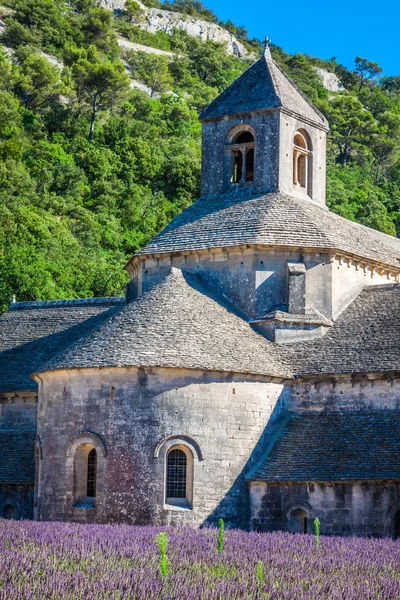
(263, 86)
(274, 219)
(179, 323)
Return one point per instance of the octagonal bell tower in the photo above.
(264, 135)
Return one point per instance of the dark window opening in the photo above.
(237, 166)
(250, 165)
(298, 521)
(397, 525)
(176, 474)
(91, 473)
(9, 512)
(244, 138)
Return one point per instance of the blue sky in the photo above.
(324, 29)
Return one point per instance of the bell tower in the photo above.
(262, 135)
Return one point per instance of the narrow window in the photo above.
(302, 162)
(242, 152)
(237, 166)
(176, 474)
(250, 165)
(91, 473)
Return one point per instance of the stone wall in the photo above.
(346, 393)
(365, 509)
(134, 412)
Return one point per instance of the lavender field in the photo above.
(73, 562)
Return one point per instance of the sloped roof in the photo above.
(364, 339)
(263, 86)
(271, 219)
(178, 323)
(17, 464)
(31, 333)
(358, 446)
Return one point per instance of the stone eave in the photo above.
(317, 379)
(37, 376)
(331, 253)
(264, 111)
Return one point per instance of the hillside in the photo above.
(100, 141)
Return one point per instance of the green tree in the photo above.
(367, 71)
(151, 70)
(351, 126)
(99, 83)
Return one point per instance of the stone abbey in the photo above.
(252, 370)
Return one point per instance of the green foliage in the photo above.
(317, 528)
(152, 70)
(162, 541)
(90, 170)
(221, 536)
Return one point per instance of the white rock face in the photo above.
(167, 21)
(330, 81)
(157, 19)
(123, 43)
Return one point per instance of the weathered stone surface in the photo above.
(133, 411)
(359, 508)
(330, 80)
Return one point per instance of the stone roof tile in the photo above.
(263, 86)
(179, 323)
(274, 219)
(17, 465)
(31, 333)
(364, 339)
(357, 446)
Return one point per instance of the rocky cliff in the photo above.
(156, 19)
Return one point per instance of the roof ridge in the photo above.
(298, 90)
(111, 300)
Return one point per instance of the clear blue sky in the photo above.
(324, 28)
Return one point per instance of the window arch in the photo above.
(298, 517)
(298, 521)
(85, 475)
(302, 154)
(179, 476)
(9, 509)
(241, 146)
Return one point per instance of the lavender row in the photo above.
(73, 562)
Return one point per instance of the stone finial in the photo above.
(266, 44)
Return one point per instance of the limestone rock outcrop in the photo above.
(156, 20)
(330, 81)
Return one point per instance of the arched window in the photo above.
(85, 476)
(92, 473)
(298, 521)
(302, 162)
(242, 150)
(179, 476)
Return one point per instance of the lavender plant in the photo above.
(71, 561)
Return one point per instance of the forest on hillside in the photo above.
(91, 169)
